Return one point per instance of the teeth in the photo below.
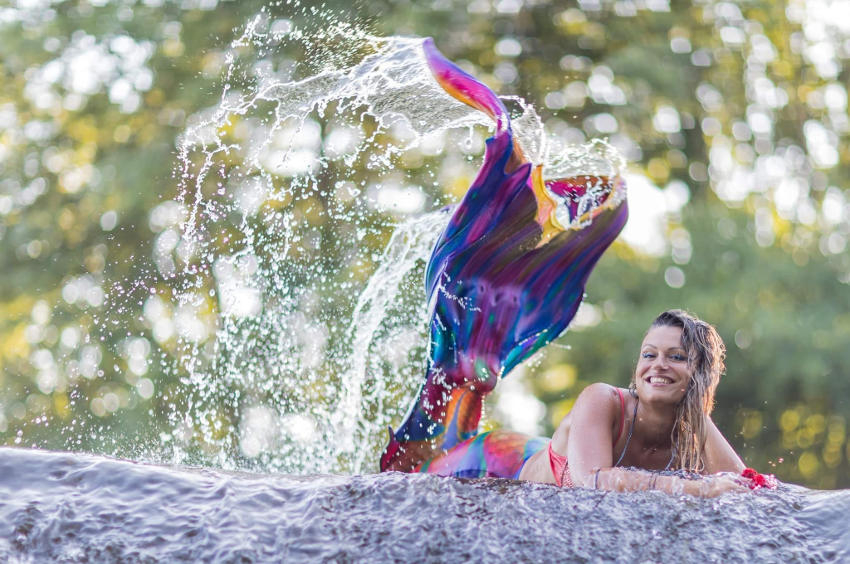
(659, 380)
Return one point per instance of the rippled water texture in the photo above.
(61, 507)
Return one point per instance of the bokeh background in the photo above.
(733, 117)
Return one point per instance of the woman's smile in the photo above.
(659, 380)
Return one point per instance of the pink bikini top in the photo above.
(558, 462)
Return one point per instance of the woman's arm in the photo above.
(591, 422)
(719, 454)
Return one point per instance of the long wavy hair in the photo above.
(706, 355)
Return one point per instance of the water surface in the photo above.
(64, 507)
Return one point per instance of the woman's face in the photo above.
(662, 373)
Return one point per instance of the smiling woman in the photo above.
(670, 401)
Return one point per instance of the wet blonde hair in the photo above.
(706, 354)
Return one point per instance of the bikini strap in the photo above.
(622, 415)
(631, 429)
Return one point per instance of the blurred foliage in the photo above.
(734, 115)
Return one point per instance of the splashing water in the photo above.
(308, 190)
(409, 244)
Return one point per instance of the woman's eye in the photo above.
(677, 357)
(647, 355)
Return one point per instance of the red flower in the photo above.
(759, 480)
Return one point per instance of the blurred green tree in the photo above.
(733, 117)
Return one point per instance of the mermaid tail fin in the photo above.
(504, 171)
(464, 87)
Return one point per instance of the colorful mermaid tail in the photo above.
(504, 279)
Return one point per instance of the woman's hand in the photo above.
(625, 480)
(719, 484)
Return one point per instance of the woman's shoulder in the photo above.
(600, 398)
(601, 392)
(598, 402)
